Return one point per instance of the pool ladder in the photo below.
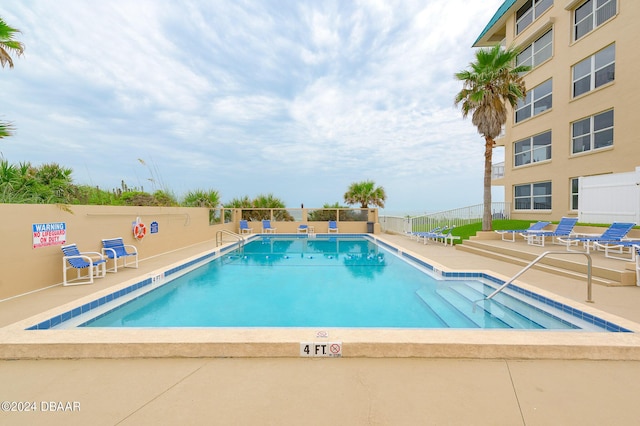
(220, 234)
(533, 262)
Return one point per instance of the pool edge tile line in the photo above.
(574, 312)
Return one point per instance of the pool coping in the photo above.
(18, 343)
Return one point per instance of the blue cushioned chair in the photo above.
(115, 248)
(564, 229)
(93, 262)
(613, 234)
(244, 227)
(266, 227)
(333, 226)
(538, 226)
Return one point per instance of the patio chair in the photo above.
(266, 227)
(636, 249)
(618, 248)
(93, 262)
(303, 228)
(333, 226)
(614, 234)
(433, 234)
(445, 235)
(244, 227)
(538, 226)
(115, 248)
(564, 229)
(421, 234)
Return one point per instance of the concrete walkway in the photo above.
(342, 391)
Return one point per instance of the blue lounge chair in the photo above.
(333, 226)
(93, 262)
(538, 226)
(266, 227)
(445, 235)
(422, 234)
(433, 234)
(244, 227)
(115, 248)
(618, 248)
(564, 229)
(303, 228)
(615, 233)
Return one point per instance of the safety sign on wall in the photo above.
(49, 234)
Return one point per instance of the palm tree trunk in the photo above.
(486, 216)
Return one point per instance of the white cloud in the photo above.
(299, 99)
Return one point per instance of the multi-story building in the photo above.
(580, 116)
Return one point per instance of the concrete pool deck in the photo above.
(440, 388)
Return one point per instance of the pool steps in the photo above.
(522, 254)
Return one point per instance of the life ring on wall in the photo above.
(139, 231)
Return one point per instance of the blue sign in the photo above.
(153, 229)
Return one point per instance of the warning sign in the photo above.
(49, 234)
(324, 349)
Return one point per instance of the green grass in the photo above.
(466, 231)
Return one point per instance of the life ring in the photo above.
(139, 231)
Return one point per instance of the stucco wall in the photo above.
(24, 268)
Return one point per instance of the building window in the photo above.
(574, 193)
(594, 71)
(537, 52)
(532, 196)
(533, 149)
(592, 14)
(529, 12)
(538, 99)
(592, 133)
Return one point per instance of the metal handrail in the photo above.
(233, 234)
(536, 260)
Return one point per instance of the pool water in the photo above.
(324, 282)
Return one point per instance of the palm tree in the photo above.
(492, 82)
(202, 198)
(8, 44)
(5, 129)
(365, 193)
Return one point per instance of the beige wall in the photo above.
(621, 95)
(24, 268)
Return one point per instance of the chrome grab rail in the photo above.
(219, 234)
(536, 260)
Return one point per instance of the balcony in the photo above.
(497, 171)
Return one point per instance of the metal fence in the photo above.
(455, 217)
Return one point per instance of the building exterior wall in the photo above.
(620, 95)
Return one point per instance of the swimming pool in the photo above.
(297, 281)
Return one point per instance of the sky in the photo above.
(293, 98)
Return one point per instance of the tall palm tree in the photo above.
(365, 193)
(8, 45)
(491, 83)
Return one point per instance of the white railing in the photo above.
(395, 224)
(455, 217)
(497, 170)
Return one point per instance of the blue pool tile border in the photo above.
(65, 316)
(577, 313)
